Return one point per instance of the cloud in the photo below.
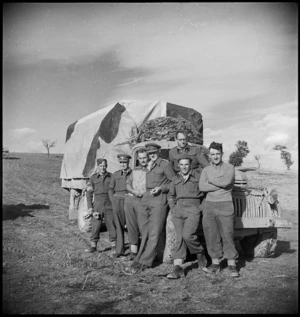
(276, 138)
(22, 132)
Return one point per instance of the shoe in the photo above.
(178, 272)
(213, 269)
(91, 250)
(117, 255)
(201, 260)
(233, 271)
(135, 265)
(132, 256)
(139, 267)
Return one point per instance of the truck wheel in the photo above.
(170, 240)
(260, 245)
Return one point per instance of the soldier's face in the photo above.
(102, 168)
(124, 165)
(153, 156)
(215, 156)
(143, 159)
(181, 140)
(185, 166)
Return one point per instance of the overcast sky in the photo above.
(235, 63)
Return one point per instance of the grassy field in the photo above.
(46, 271)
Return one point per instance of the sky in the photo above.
(235, 63)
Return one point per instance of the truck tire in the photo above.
(260, 245)
(170, 240)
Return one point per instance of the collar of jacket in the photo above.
(104, 175)
(125, 172)
(185, 149)
(181, 179)
(157, 162)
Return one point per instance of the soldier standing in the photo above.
(136, 186)
(184, 201)
(98, 186)
(199, 157)
(217, 180)
(117, 193)
(153, 212)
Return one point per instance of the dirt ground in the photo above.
(46, 271)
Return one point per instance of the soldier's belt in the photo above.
(120, 195)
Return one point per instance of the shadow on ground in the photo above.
(247, 169)
(283, 247)
(11, 212)
(11, 158)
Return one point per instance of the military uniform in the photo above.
(153, 210)
(117, 194)
(196, 153)
(98, 186)
(184, 201)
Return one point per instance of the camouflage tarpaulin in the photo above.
(115, 129)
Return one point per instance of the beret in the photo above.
(184, 156)
(100, 160)
(152, 147)
(123, 157)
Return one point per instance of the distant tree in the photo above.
(242, 150)
(48, 144)
(257, 157)
(284, 155)
(235, 159)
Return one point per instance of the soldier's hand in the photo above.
(155, 191)
(87, 216)
(137, 193)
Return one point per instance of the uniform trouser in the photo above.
(218, 221)
(132, 205)
(120, 221)
(152, 218)
(105, 208)
(186, 218)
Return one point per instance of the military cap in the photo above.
(152, 147)
(184, 156)
(100, 160)
(123, 157)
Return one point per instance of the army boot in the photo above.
(92, 248)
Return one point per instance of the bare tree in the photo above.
(257, 157)
(48, 144)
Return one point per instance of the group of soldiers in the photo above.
(194, 188)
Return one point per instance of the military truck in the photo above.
(257, 213)
(129, 124)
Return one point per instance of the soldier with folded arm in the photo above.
(217, 180)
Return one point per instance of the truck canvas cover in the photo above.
(107, 133)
